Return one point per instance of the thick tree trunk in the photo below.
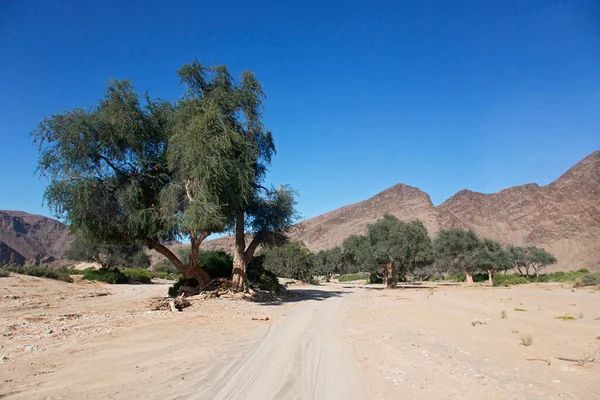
(469, 277)
(490, 276)
(191, 270)
(390, 278)
(239, 279)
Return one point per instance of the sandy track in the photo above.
(300, 357)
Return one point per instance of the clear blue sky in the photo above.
(441, 95)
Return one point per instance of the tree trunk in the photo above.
(239, 279)
(490, 276)
(390, 272)
(191, 270)
(469, 277)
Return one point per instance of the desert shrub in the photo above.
(584, 270)
(108, 275)
(41, 272)
(261, 278)
(164, 275)
(374, 278)
(4, 273)
(526, 340)
(565, 317)
(216, 263)
(174, 288)
(457, 277)
(351, 277)
(586, 280)
(510, 279)
(164, 266)
(137, 275)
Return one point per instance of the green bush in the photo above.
(165, 266)
(259, 277)
(137, 275)
(457, 277)
(41, 272)
(112, 276)
(164, 275)
(216, 263)
(351, 277)
(510, 279)
(4, 273)
(586, 280)
(174, 288)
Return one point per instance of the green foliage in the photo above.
(586, 280)
(112, 276)
(510, 279)
(164, 266)
(352, 277)
(216, 263)
(4, 273)
(261, 278)
(291, 260)
(174, 288)
(329, 262)
(459, 248)
(137, 275)
(530, 259)
(109, 255)
(40, 272)
(374, 278)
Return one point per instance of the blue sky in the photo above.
(441, 95)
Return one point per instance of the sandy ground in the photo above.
(91, 340)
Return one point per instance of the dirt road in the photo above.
(82, 340)
(301, 356)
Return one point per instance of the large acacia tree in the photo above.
(255, 213)
(148, 171)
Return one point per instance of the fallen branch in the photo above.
(546, 360)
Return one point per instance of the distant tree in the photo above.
(329, 262)
(291, 260)
(397, 246)
(530, 258)
(108, 255)
(459, 248)
(356, 255)
(492, 257)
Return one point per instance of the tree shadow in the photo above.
(296, 295)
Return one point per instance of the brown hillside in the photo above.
(563, 217)
(28, 238)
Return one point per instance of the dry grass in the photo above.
(526, 340)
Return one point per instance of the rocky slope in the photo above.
(27, 238)
(563, 217)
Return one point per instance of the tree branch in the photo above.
(154, 244)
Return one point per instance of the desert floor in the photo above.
(332, 341)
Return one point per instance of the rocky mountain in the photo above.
(563, 217)
(27, 238)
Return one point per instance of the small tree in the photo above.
(329, 262)
(109, 256)
(292, 260)
(459, 248)
(530, 258)
(492, 257)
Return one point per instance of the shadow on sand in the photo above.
(295, 295)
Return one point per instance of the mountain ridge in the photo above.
(562, 216)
